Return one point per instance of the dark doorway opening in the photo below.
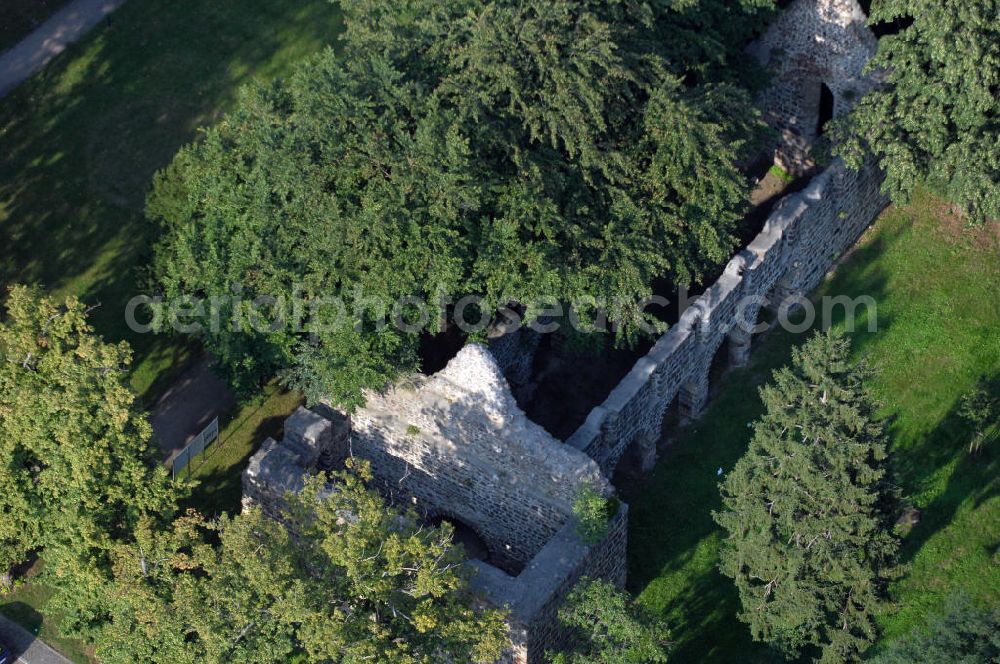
(825, 108)
(466, 535)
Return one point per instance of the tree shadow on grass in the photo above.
(861, 274)
(81, 139)
(972, 476)
(220, 489)
(24, 615)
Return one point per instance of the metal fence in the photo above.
(183, 460)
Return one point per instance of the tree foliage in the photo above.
(610, 628)
(345, 578)
(592, 511)
(980, 409)
(962, 634)
(511, 151)
(808, 511)
(938, 119)
(76, 471)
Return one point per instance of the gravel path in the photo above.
(188, 406)
(50, 39)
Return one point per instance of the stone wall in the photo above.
(812, 42)
(457, 444)
(800, 242)
(534, 596)
(514, 347)
(311, 442)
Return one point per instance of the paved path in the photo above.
(50, 39)
(27, 648)
(188, 406)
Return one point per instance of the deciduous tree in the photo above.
(344, 578)
(76, 467)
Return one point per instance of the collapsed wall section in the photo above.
(456, 444)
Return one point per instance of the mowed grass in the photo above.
(216, 479)
(80, 142)
(24, 606)
(938, 296)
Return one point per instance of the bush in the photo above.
(593, 511)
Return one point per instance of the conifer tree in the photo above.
(937, 119)
(511, 151)
(963, 634)
(807, 510)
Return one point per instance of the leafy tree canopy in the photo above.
(512, 151)
(357, 582)
(76, 468)
(610, 628)
(938, 119)
(808, 511)
(75, 462)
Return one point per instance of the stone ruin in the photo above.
(455, 445)
(815, 48)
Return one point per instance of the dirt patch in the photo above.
(768, 187)
(955, 226)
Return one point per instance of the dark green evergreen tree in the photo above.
(508, 150)
(808, 510)
(938, 119)
(962, 634)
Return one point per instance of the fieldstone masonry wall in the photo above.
(514, 351)
(534, 596)
(800, 242)
(311, 442)
(812, 42)
(456, 443)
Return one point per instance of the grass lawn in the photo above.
(25, 606)
(18, 18)
(217, 479)
(938, 334)
(81, 140)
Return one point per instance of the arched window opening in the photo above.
(826, 108)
